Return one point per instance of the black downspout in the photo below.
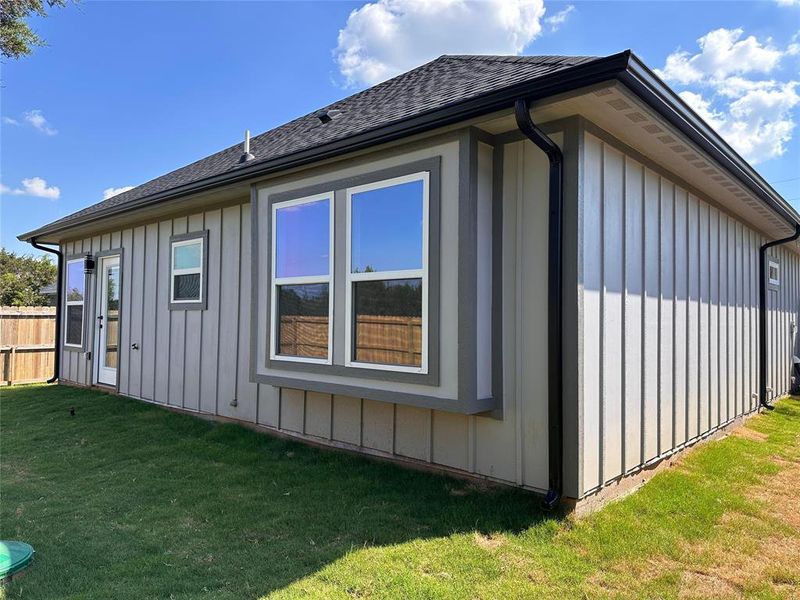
(59, 287)
(554, 300)
(762, 314)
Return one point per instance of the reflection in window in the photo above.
(388, 321)
(112, 318)
(387, 278)
(386, 226)
(187, 271)
(301, 279)
(302, 239)
(73, 318)
(303, 320)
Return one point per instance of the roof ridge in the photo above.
(528, 58)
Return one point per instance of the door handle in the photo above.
(134, 346)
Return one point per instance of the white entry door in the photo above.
(107, 349)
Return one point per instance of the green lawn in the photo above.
(126, 500)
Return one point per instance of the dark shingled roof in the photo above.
(439, 83)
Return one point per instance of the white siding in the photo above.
(669, 304)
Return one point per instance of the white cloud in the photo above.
(10, 121)
(793, 49)
(108, 192)
(788, 2)
(35, 187)
(722, 53)
(36, 119)
(558, 19)
(386, 37)
(755, 115)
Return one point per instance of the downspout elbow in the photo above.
(59, 291)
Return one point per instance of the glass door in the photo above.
(108, 321)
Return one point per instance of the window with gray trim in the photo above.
(393, 269)
(387, 263)
(302, 279)
(75, 293)
(188, 270)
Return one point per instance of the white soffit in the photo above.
(618, 111)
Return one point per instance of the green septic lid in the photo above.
(14, 556)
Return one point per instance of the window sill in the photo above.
(357, 370)
(188, 306)
(466, 406)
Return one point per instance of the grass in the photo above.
(126, 500)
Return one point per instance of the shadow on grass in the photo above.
(127, 500)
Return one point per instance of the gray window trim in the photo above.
(85, 325)
(431, 165)
(182, 237)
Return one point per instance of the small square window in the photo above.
(774, 273)
(188, 271)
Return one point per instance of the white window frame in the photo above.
(275, 282)
(190, 271)
(777, 266)
(422, 273)
(68, 302)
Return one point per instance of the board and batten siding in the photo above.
(198, 360)
(668, 298)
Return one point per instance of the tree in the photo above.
(22, 277)
(16, 37)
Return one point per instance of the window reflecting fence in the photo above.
(393, 340)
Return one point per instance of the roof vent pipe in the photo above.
(246, 155)
(762, 315)
(555, 360)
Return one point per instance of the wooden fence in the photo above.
(27, 340)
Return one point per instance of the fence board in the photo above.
(27, 337)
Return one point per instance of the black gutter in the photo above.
(762, 314)
(579, 76)
(59, 292)
(555, 360)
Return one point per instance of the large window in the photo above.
(302, 279)
(73, 318)
(387, 274)
(188, 270)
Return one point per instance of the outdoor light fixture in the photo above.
(88, 264)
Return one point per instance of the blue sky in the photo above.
(126, 91)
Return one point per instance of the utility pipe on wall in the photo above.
(555, 386)
(59, 288)
(762, 314)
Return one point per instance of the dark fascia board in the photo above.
(623, 66)
(641, 80)
(579, 76)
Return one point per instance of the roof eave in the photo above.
(623, 66)
(649, 87)
(582, 75)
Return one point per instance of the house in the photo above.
(544, 271)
